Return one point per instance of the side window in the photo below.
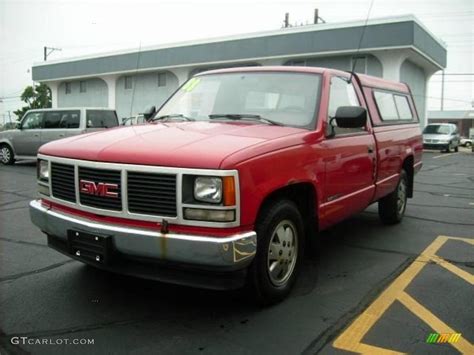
(386, 104)
(52, 119)
(101, 119)
(403, 107)
(69, 119)
(32, 121)
(342, 93)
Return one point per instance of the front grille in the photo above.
(62, 182)
(99, 176)
(152, 194)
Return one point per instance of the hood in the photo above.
(177, 144)
(442, 137)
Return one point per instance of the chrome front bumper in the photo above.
(231, 253)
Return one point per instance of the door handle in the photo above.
(61, 135)
(370, 149)
(36, 135)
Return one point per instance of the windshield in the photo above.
(284, 98)
(437, 129)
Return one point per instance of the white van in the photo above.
(41, 126)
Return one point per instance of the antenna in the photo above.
(135, 77)
(354, 63)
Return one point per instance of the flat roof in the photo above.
(311, 40)
(451, 114)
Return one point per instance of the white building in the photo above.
(398, 48)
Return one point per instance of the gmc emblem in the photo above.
(98, 189)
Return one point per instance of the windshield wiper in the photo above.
(171, 116)
(238, 116)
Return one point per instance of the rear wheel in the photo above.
(392, 207)
(468, 144)
(280, 246)
(456, 149)
(6, 155)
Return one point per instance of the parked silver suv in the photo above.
(41, 126)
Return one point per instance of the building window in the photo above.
(68, 88)
(82, 86)
(162, 79)
(128, 82)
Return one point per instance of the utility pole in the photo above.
(317, 18)
(48, 50)
(442, 91)
(287, 20)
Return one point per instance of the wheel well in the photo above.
(408, 167)
(304, 196)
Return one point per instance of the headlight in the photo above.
(43, 170)
(208, 189)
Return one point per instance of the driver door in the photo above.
(349, 158)
(28, 140)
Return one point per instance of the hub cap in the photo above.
(282, 252)
(5, 155)
(402, 196)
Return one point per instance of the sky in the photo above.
(89, 27)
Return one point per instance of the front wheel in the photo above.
(6, 155)
(280, 247)
(392, 207)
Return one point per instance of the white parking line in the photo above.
(444, 155)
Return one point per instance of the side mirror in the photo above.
(149, 112)
(351, 117)
(18, 125)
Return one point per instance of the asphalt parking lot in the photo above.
(371, 289)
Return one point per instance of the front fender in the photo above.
(265, 174)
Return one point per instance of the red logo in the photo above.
(98, 189)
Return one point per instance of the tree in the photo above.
(38, 96)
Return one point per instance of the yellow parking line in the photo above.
(443, 156)
(351, 338)
(434, 322)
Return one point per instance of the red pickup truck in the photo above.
(236, 172)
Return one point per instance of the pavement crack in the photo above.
(37, 271)
(380, 250)
(443, 206)
(430, 220)
(465, 197)
(12, 209)
(17, 201)
(23, 242)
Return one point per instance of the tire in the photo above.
(277, 263)
(456, 149)
(392, 207)
(468, 144)
(6, 155)
(448, 148)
